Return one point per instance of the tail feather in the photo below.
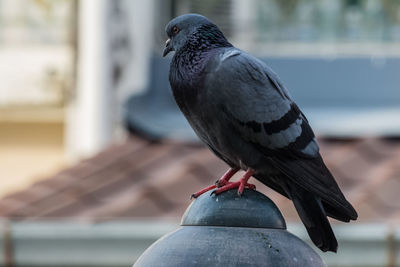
(313, 176)
(339, 214)
(313, 216)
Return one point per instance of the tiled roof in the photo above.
(141, 179)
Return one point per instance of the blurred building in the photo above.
(66, 78)
(37, 74)
(85, 92)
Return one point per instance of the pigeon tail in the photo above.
(313, 216)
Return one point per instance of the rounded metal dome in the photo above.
(228, 230)
(252, 209)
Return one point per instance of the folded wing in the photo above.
(250, 96)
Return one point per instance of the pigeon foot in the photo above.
(197, 194)
(233, 185)
(241, 184)
(223, 184)
(224, 180)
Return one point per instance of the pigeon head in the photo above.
(195, 31)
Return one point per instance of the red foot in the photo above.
(197, 194)
(241, 184)
(226, 177)
(223, 184)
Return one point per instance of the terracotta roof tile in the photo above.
(139, 179)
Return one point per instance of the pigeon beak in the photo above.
(168, 47)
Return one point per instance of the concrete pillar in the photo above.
(94, 115)
(89, 115)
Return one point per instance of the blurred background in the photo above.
(96, 162)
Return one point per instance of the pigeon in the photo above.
(245, 115)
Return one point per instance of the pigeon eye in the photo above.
(175, 30)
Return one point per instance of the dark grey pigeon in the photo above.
(240, 109)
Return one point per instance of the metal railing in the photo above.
(120, 243)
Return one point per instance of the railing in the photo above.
(120, 243)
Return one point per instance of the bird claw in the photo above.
(232, 185)
(226, 187)
(223, 184)
(197, 194)
(249, 186)
(224, 180)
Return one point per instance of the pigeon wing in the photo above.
(251, 99)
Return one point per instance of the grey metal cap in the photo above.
(228, 230)
(252, 209)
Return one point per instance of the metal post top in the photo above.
(252, 209)
(230, 230)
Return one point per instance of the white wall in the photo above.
(94, 116)
(89, 114)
